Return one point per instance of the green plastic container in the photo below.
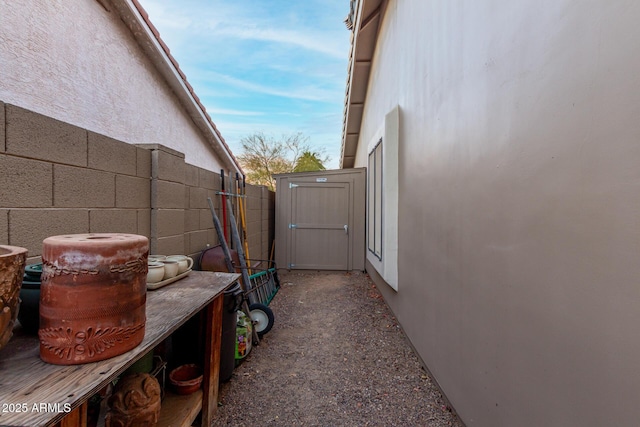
(144, 365)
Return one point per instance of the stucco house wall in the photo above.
(518, 231)
(101, 132)
(89, 63)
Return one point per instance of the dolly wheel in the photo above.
(262, 318)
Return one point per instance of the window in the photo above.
(383, 198)
(374, 193)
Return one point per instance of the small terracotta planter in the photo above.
(186, 379)
(92, 297)
(12, 262)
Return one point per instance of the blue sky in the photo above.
(272, 66)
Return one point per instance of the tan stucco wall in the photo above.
(78, 63)
(519, 207)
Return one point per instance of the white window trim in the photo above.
(387, 265)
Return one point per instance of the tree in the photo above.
(308, 162)
(263, 156)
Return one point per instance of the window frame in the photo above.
(375, 205)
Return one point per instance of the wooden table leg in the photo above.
(213, 335)
(76, 418)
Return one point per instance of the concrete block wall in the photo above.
(259, 236)
(180, 212)
(260, 222)
(268, 233)
(60, 179)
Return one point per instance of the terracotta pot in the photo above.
(135, 402)
(212, 259)
(93, 296)
(12, 262)
(186, 379)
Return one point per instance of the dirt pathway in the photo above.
(335, 357)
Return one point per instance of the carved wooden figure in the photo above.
(135, 402)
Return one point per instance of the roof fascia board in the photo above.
(351, 70)
(361, 23)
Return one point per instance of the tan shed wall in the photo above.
(356, 178)
(519, 203)
(57, 178)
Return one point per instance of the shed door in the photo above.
(319, 232)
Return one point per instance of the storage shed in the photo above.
(320, 219)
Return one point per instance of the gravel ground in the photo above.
(335, 357)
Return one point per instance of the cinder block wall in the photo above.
(57, 178)
(260, 204)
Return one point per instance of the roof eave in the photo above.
(363, 41)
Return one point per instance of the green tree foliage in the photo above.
(309, 162)
(263, 156)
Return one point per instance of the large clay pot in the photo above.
(212, 259)
(12, 262)
(92, 297)
(135, 402)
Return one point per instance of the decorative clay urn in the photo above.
(92, 297)
(12, 262)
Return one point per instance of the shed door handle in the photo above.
(346, 229)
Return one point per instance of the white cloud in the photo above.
(306, 40)
(228, 112)
(275, 67)
(208, 22)
(162, 18)
(308, 92)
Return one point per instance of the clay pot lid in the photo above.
(80, 249)
(93, 239)
(6, 251)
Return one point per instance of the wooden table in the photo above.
(34, 393)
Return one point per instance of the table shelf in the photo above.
(25, 380)
(180, 411)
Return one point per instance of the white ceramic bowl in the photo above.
(184, 262)
(156, 272)
(170, 269)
